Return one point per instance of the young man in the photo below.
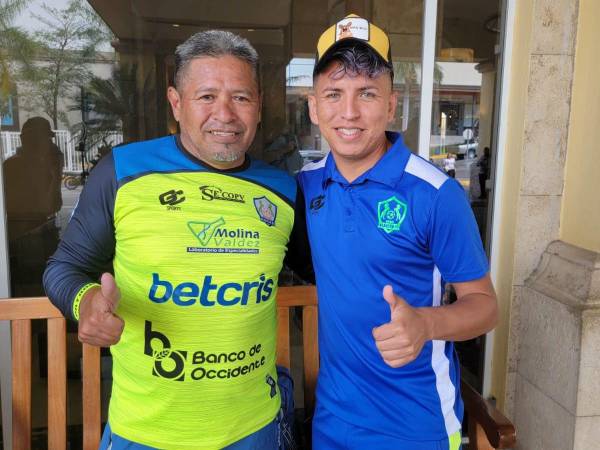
(383, 227)
(196, 231)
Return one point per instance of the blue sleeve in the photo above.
(88, 244)
(454, 239)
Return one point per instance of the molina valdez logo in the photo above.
(214, 237)
(168, 363)
(211, 193)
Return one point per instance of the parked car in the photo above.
(468, 150)
(311, 155)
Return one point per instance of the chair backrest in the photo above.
(20, 312)
(488, 427)
(304, 297)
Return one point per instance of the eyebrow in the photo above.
(212, 90)
(362, 88)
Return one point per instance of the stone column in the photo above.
(556, 403)
(551, 50)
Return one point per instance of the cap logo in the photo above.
(354, 27)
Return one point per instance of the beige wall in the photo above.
(580, 214)
(509, 192)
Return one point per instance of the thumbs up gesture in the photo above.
(98, 323)
(401, 339)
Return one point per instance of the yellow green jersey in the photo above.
(196, 254)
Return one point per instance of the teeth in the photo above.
(223, 133)
(349, 131)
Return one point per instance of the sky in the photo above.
(26, 19)
(28, 22)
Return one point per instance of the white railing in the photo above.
(10, 141)
(66, 142)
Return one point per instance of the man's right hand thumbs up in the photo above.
(98, 323)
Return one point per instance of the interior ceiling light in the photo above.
(176, 25)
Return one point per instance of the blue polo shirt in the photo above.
(403, 223)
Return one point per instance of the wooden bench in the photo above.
(488, 428)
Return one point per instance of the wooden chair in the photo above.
(488, 428)
(21, 312)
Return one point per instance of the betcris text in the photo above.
(211, 294)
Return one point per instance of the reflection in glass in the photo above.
(32, 181)
(462, 119)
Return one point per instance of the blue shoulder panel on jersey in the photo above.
(165, 155)
(156, 155)
(272, 178)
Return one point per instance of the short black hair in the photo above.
(354, 57)
(214, 43)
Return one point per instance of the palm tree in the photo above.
(15, 45)
(113, 104)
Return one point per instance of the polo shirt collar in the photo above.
(388, 170)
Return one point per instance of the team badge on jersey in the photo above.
(390, 214)
(266, 209)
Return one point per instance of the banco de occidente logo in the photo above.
(216, 237)
(168, 363)
(199, 364)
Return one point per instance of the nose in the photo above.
(350, 110)
(223, 110)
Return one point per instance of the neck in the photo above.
(352, 168)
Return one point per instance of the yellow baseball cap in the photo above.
(356, 28)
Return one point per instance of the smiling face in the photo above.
(217, 105)
(352, 112)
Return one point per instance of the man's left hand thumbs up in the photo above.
(401, 339)
(398, 305)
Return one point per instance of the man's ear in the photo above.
(312, 109)
(392, 104)
(260, 101)
(175, 101)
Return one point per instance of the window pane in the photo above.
(462, 117)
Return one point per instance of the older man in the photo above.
(196, 231)
(388, 231)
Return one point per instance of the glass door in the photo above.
(463, 121)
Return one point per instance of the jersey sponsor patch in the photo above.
(390, 214)
(211, 193)
(216, 237)
(198, 364)
(266, 209)
(317, 203)
(210, 294)
(171, 198)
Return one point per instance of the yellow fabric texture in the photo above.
(195, 366)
